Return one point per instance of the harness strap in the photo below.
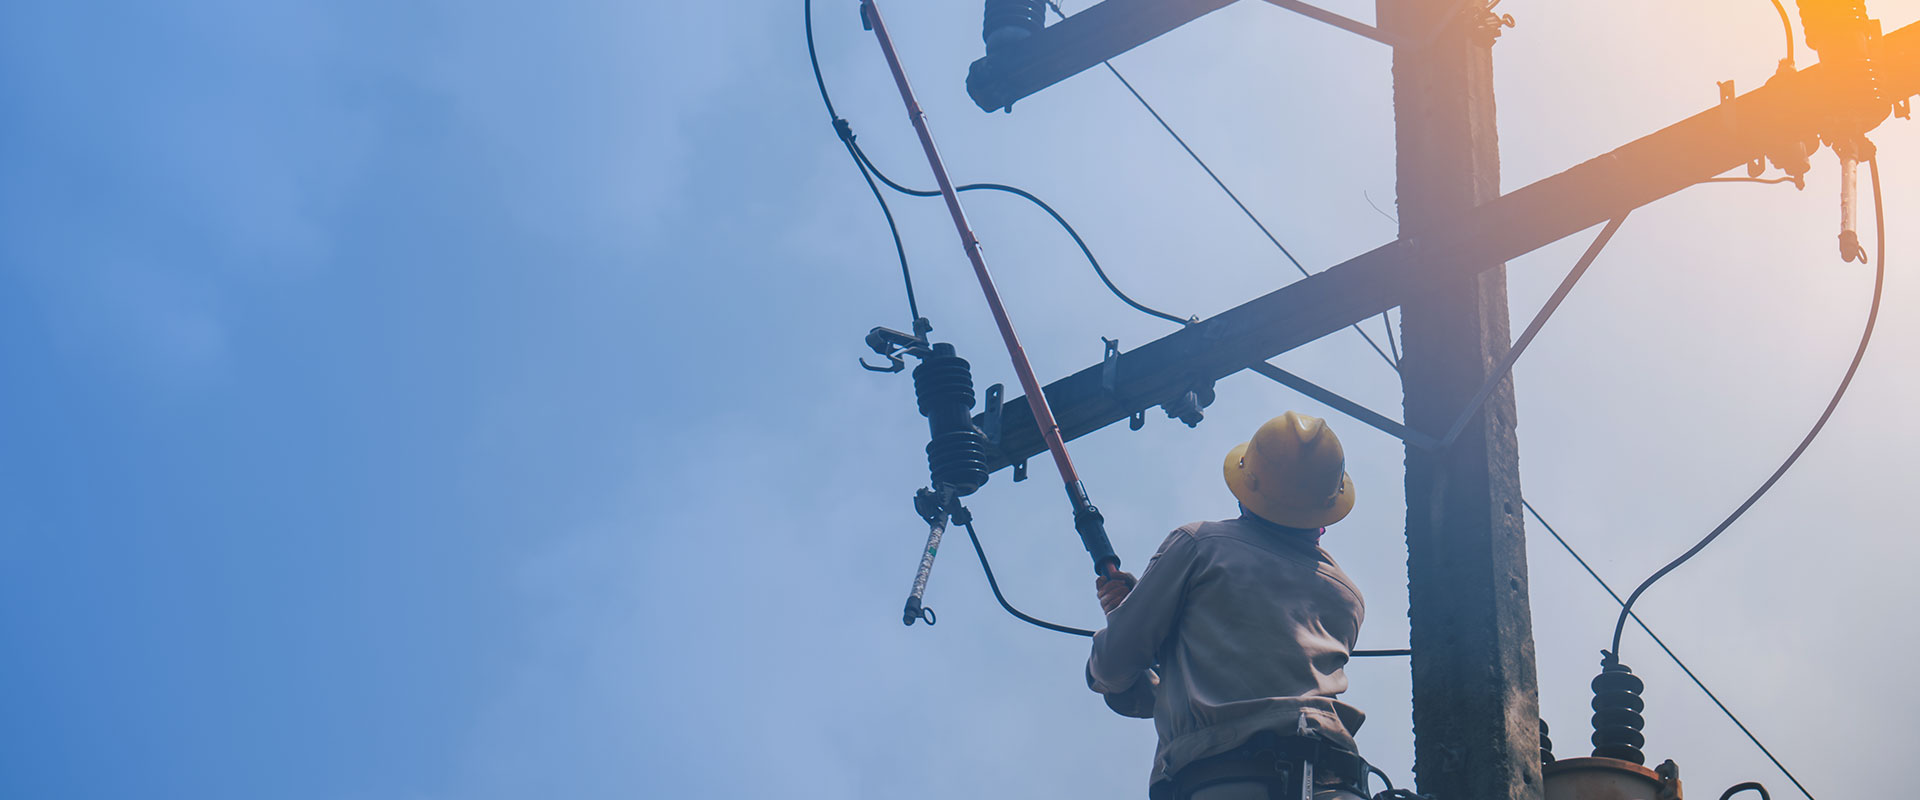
(1291, 767)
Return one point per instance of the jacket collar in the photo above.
(1310, 536)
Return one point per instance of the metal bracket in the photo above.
(1110, 364)
(1757, 166)
(1793, 155)
(1490, 23)
(1110, 381)
(1903, 108)
(1020, 471)
(1188, 406)
(991, 424)
(1670, 786)
(893, 344)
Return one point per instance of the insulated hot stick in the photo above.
(1086, 519)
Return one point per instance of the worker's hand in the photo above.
(1113, 590)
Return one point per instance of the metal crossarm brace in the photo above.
(1533, 329)
(1343, 23)
(1345, 406)
(1721, 138)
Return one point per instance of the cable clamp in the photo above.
(893, 344)
(843, 129)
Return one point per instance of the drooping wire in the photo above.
(995, 586)
(1788, 25)
(1391, 361)
(867, 164)
(1866, 336)
(845, 132)
(1564, 544)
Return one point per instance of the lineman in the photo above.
(1235, 638)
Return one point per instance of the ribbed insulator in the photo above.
(1011, 20)
(1617, 723)
(1546, 744)
(958, 459)
(956, 450)
(943, 382)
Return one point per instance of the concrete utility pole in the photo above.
(1476, 704)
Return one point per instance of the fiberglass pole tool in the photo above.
(1086, 519)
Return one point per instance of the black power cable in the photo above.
(867, 164)
(1663, 647)
(845, 133)
(1788, 25)
(1866, 336)
(995, 586)
(869, 171)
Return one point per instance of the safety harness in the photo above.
(1291, 768)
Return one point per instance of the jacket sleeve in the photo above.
(1125, 649)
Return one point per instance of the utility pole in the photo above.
(1475, 697)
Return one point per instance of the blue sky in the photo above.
(450, 400)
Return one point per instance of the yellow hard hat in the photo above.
(1292, 472)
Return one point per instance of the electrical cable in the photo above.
(845, 132)
(1787, 24)
(1017, 191)
(899, 247)
(995, 586)
(1866, 336)
(1564, 544)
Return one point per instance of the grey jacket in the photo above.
(1251, 625)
